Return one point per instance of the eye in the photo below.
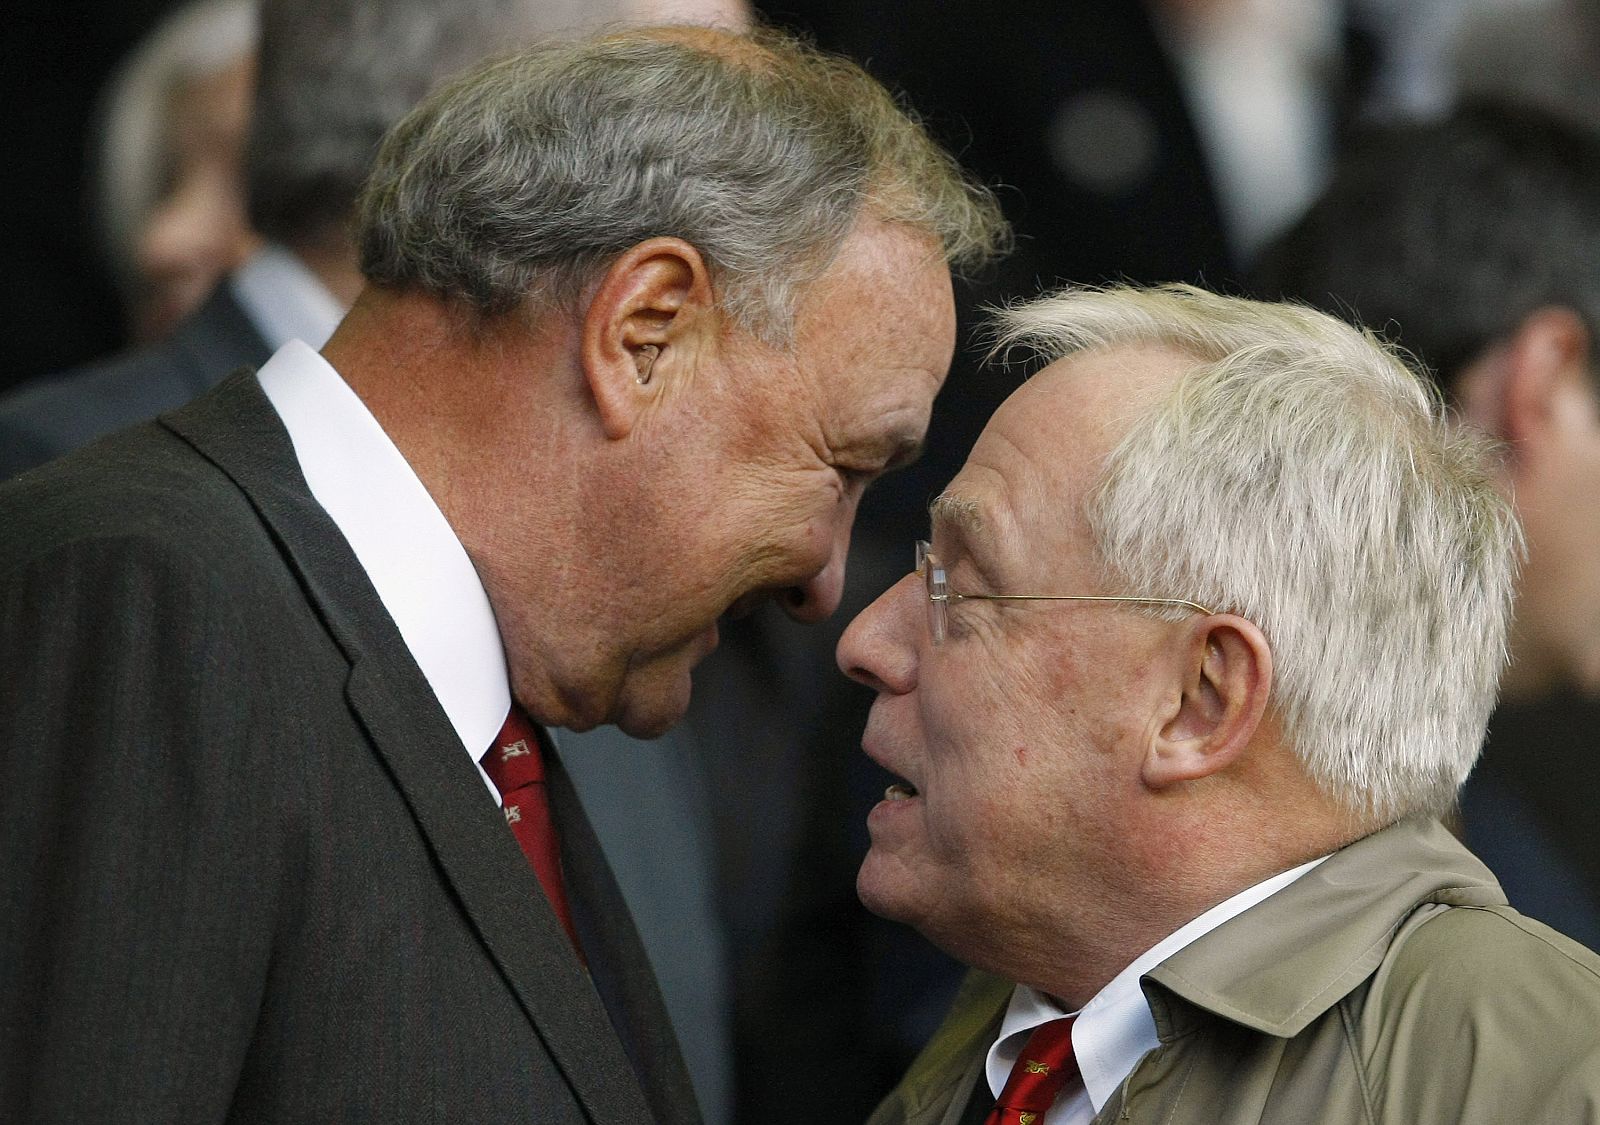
(957, 622)
(967, 620)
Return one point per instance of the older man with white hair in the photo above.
(1204, 639)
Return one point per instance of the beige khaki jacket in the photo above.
(1391, 984)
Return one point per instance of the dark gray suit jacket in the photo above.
(248, 872)
(47, 417)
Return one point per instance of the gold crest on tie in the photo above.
(1027, 1118)
(1036, 1067)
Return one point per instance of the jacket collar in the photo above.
(238, 431)
(934, 1089)
(1283, 963)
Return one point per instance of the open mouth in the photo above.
(900, 791)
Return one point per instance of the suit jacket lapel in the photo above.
(236, 429)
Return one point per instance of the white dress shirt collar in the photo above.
(284, 300)
(413, 558)
(1114, 1029)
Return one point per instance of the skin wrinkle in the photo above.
(1116, 756)
(609, 555)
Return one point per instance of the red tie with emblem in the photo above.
(1044, 1067)
(515, 763)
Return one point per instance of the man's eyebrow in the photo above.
(958, 513)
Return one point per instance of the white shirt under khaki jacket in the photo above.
(1392, 985)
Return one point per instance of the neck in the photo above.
(332, 261)
(486, 415)
(1543, 661)
(1206, 851)
(465, 400)
(1526, 680)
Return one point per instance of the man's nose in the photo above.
(879, 648)
(816, 598)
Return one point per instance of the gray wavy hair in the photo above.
(1302, 476)
(336, 75)
(526, 177)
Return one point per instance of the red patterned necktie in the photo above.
(515, 763)
(1044, 1067)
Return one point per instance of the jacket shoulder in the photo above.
(934, 1080)
(143, 486)
(1481, 1014)
(56, 414)
(1475, 955)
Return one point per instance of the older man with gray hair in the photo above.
(333, 77)
(1204, 640)
(283, 839)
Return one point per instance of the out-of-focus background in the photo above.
(1164, 140)
(1148, 141)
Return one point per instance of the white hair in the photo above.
(1301, 476)
(198, 40)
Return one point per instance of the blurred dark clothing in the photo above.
(830, 1002)
(51, 416)
(777, 728)
(1529, 811)
(1076, 111)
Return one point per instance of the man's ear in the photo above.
(646, 318)
(1516, 390)
(1226, 670)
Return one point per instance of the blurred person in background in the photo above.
(330, 80)
(169, 181)
(1474, 242)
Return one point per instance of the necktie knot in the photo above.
(1045, 1066)
(516, 757)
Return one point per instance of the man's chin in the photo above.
(650, 709)
(883, 893)
(654, 697)
(647, 724)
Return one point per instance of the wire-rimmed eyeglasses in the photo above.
(940, 595)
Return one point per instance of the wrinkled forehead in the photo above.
(1043, 450)
(1091, 399)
